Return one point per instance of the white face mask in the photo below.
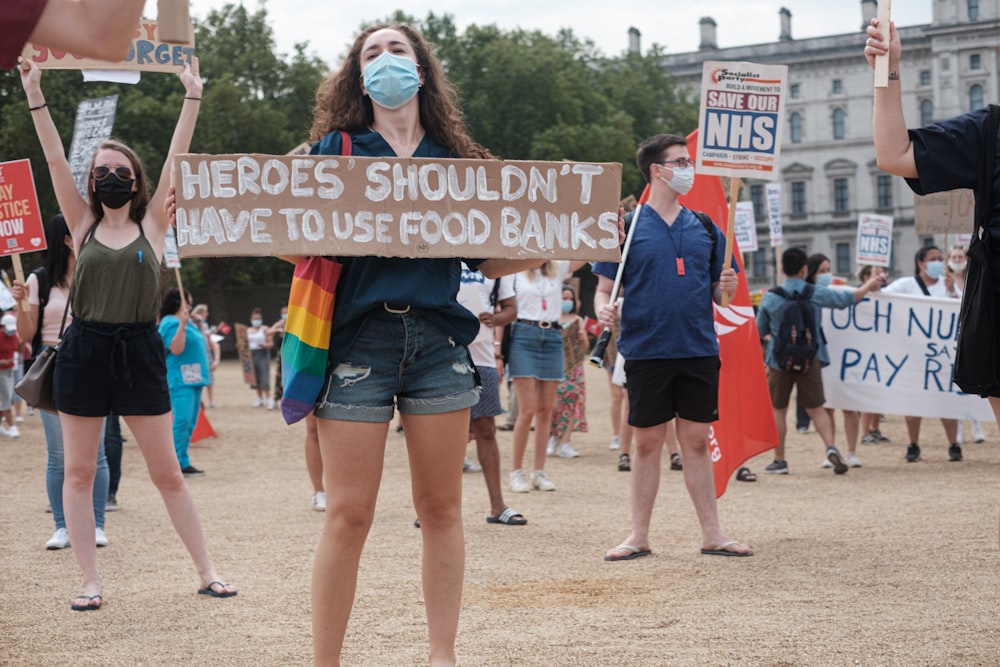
(957, 266)
(682, 180)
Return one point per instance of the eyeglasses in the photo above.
(103, 171)
(681, 162)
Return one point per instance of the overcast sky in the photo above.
(328, 26)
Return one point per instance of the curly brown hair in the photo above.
(341, 104)
(137, 207)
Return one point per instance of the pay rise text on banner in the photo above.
(261, 205)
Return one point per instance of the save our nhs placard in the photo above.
(895, 354)
(874, 244)
(742, 110)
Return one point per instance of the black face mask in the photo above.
(114, 192)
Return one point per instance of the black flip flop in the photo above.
(744, 474)
(509, 517)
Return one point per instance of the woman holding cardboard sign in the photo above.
(111, 360)
(399, 340)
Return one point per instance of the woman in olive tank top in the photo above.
(111, 360)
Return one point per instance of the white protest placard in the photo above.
(267, 205)
(171, 258)
(950, 212)
(895, 354)
(774, 214)
(746, 227)
(94, 120)
(874, 245)
(147, 53)
(742, 106)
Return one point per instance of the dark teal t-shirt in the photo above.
(429, 285)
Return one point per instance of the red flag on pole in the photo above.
(746, 420)
(202, 428)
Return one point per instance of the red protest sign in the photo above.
(20, 221)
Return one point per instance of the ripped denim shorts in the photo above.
(399, 359)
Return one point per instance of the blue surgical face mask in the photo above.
(682, 181)
(567, 306)
(391, 80)
(935, 268)
(824, 279)
(256, 323)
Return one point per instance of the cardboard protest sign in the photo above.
(148, 53)
(94, 120)
(874, 244)
(742, 106)
(949, 212)
(774, 214)
(243, 350)
(574, 349)
(21, 227)
(894, 354)
(746, 227)
(263, 205)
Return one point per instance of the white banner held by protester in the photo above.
(874, 245)
(94, 120)
(774, 214)
(894, 354)
(746, 227)
(742, 106)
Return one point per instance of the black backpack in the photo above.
(798, 341)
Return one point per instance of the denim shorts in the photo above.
(536, 352)
(489, 399)
(399, 359)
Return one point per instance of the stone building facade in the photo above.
(828, 171)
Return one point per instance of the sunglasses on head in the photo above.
(103, 171)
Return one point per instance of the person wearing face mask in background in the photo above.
(927, 280)
(954, 278)
(260, 342)
(671, 278)
(570, 413)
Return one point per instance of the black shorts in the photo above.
(660, 389)
(104, 369)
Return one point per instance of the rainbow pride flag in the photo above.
(307, 335)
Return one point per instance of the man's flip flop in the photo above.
(208, 590)
(744, 474)
(630, 553)
(509, 517)
(90, 606)
(722, 550)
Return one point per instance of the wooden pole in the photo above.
(882, 62)
(734, 193)
(19, 274)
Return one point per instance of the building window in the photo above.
(840, 203)
(838, 123)
(925, 77)
(926, 113)
(975, 62)
(884, 190)
(759, 260)
(794, 91)
(757, 196)
(843, 258)
(838, 86)
(973, 10)
(975, 97)
(795, 123)
(798, 197)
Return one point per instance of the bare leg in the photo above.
(354, 452)
(852, 420)
(781, 421)
(545, 402)
(700, 482)
(436, 447)
(488, 452)
(645, 481)
(824, 424)
(153, 435)
(314, 460)
(913, 429)
(950, 429)
(524, 389)
(995, 404)
(80, 445)
(626, 428)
